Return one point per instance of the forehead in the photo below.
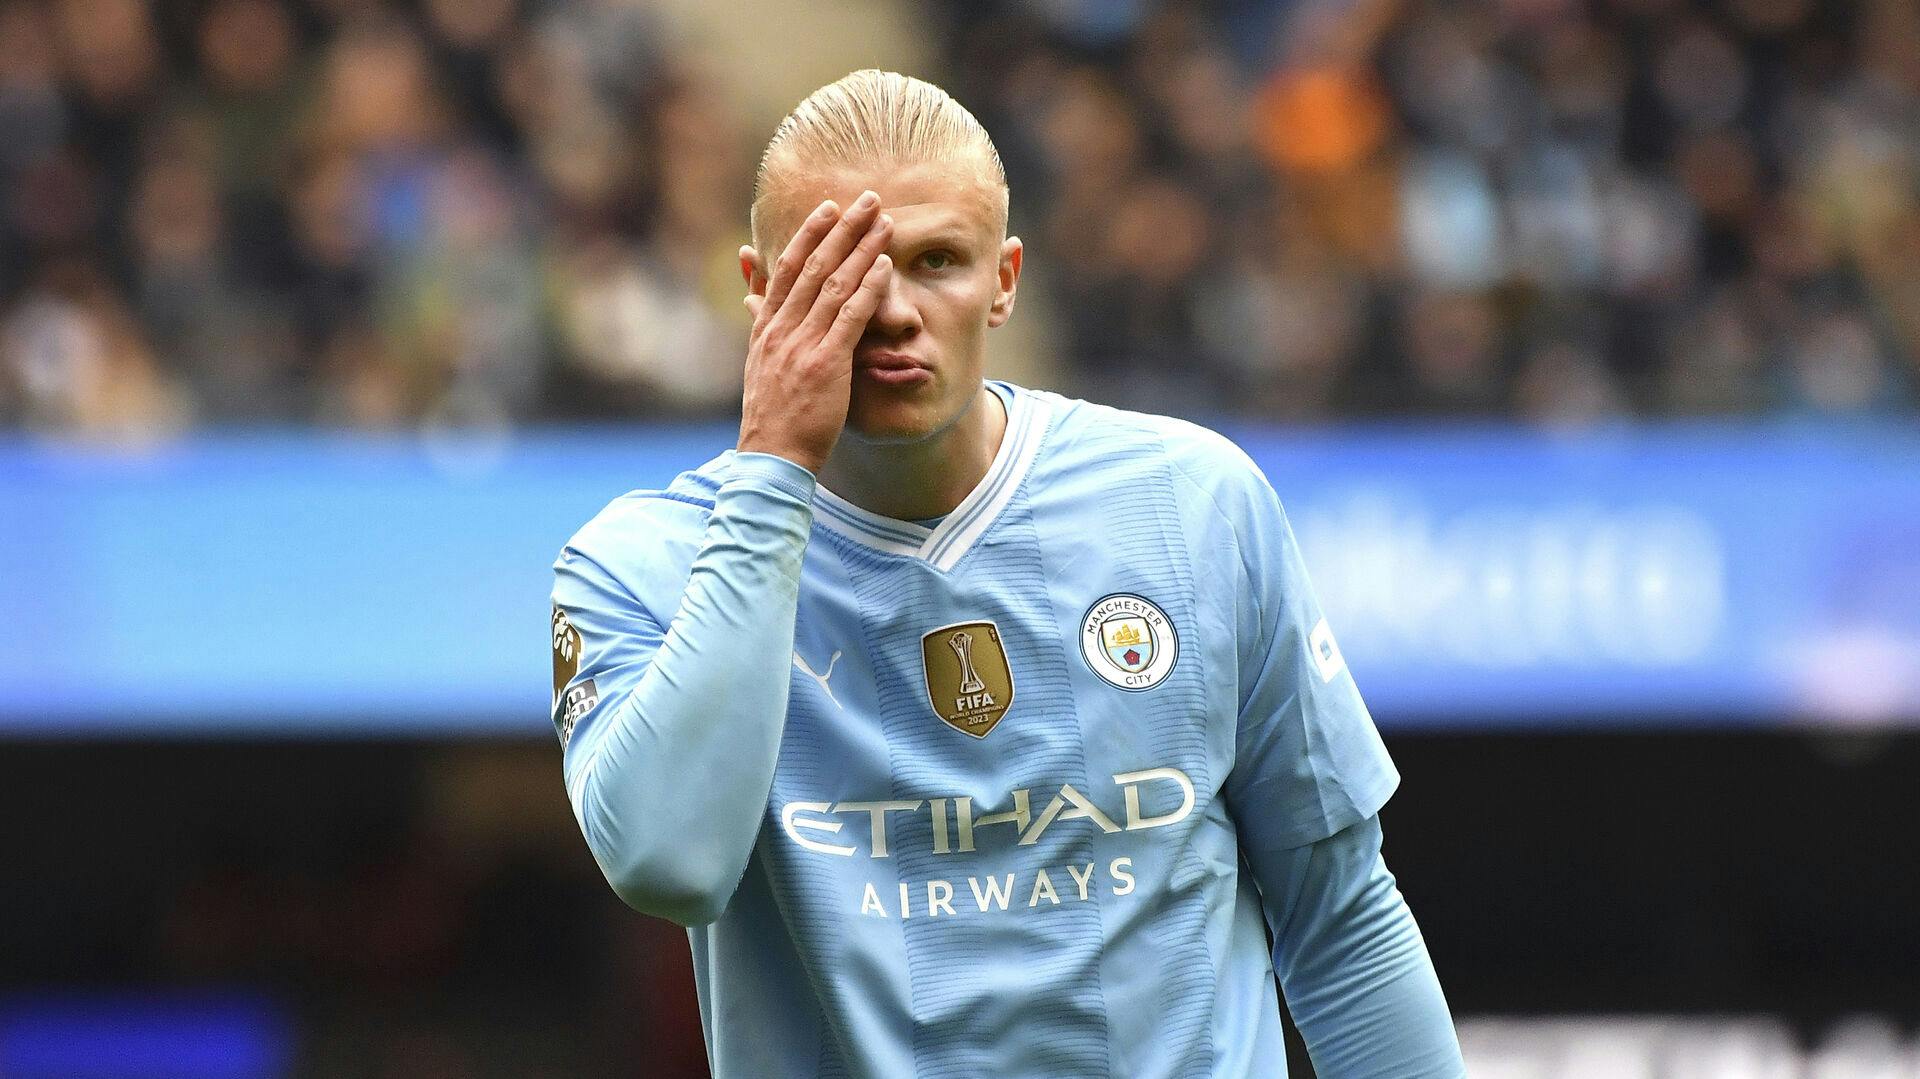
(923, 198)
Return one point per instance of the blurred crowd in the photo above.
(1551, 209)
(347, 213)
(355, 213)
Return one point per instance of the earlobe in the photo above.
(1001, 310)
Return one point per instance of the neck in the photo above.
(911, 481)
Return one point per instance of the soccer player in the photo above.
(970, 730)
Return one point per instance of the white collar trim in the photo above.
(943, 546)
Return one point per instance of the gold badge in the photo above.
(566, 651)
(969, 682)
(570, 701)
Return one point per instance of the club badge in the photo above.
(1129, 642)
(570, 701)
(969, 682)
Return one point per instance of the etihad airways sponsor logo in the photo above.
(816, 826)
(1052, 885)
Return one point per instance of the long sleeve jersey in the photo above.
(1052, 787)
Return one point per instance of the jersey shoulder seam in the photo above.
(1233, 527)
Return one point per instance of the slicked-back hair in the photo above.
(873, 118)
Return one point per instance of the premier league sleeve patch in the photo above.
(1129, 642)
(570, 700)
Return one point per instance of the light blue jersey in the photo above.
(1021, 794)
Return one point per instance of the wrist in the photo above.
(809, 461)
(775, 470)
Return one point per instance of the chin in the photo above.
(891, 426)
(894, 421)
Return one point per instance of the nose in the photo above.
(896, 316)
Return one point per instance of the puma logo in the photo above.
(818, 677)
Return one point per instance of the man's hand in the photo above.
(820, 294)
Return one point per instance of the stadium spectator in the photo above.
(345, 212)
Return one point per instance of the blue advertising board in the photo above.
(302, 584)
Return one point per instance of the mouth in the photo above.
(892, 368)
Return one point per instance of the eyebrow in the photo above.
(946, 234)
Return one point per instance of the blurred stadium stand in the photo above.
(1583, 340)
(486, 210)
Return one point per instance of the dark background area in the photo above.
(425, 908)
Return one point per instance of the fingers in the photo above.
(851, 320)
(838, 289)
(820, 265)
(781, 276)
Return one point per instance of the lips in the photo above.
(892, 368)
(887, 361)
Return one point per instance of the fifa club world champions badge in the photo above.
(969, 682)
(1129, 641)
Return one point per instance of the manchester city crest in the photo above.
(1129, 641)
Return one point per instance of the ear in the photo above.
(752, 271)
(1011, 252)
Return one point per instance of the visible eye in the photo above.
(937, 260)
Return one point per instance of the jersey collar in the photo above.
(943, 546)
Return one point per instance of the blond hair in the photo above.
(868, 118)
